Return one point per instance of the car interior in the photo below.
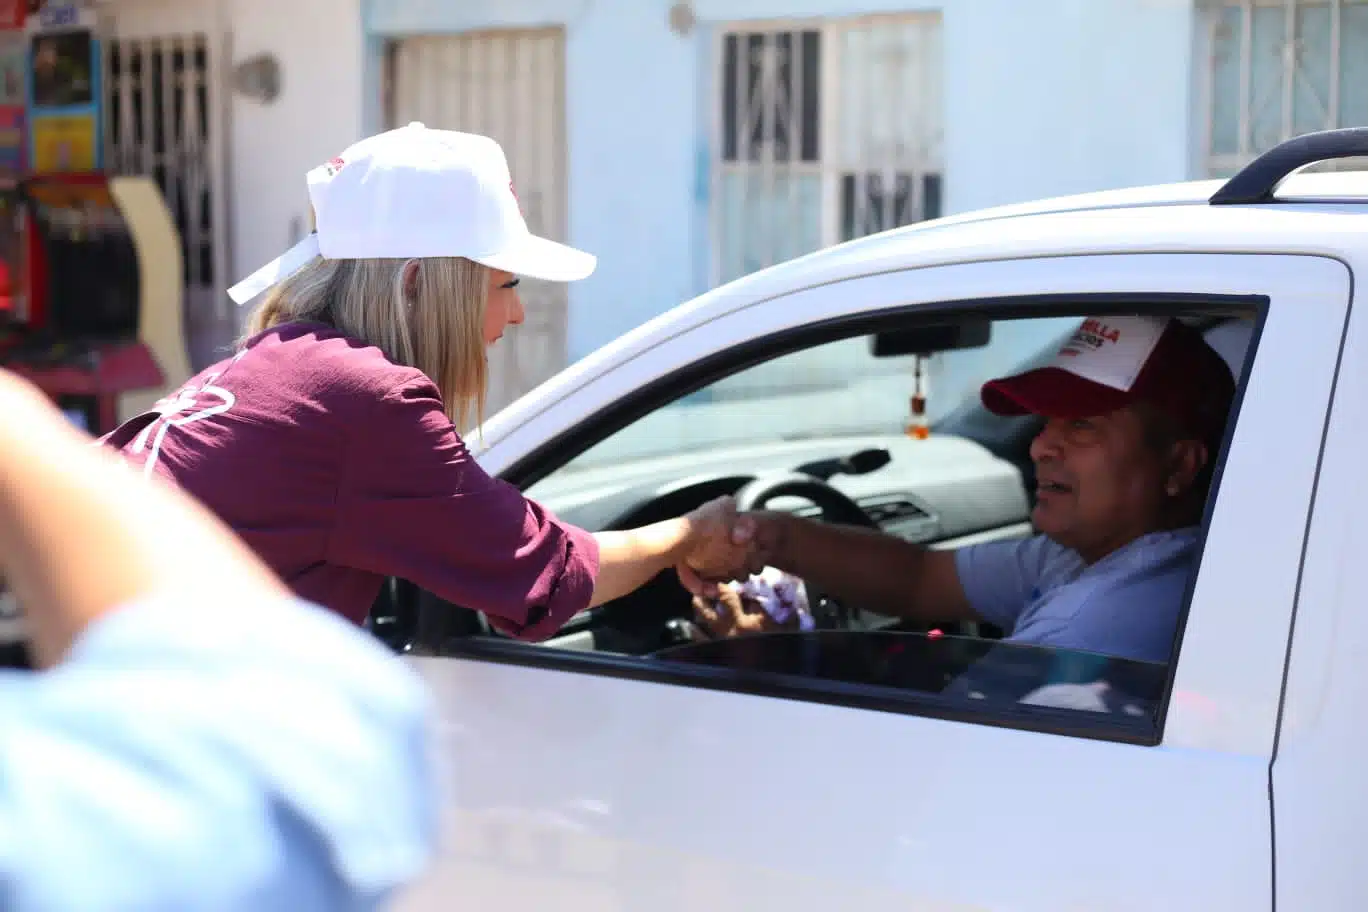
(969, 480)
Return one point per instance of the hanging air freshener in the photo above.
(917, 428)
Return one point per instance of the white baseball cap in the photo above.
(415, 192)
(1111, 362)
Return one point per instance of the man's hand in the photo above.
(731, 614)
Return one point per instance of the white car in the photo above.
(622, 766)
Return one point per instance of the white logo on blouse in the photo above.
(189, 404)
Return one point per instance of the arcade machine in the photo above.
(75, 311)
(93, 262)
(13, 305)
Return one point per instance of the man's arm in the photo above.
(991, 581)
(876, 571)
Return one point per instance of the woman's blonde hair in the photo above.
(435, 325)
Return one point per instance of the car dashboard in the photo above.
(929, 491)
(940, 492)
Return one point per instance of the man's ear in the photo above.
(1187, 459)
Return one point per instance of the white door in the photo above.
(597, 780)
(509, 85)
(166, 118)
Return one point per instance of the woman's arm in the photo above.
(417, 506)
(700, 541)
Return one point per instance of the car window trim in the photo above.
(619, 414)
(712, 368)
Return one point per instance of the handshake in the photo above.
(729, 569)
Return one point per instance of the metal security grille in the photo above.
(158, 124)
(1273, 69)
(508, 84)
(824, 132)
(166, 117)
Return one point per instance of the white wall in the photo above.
(1065, 96)
(1042, 98)
(325, 68)
(630, 131)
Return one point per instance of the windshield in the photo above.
(836, 389)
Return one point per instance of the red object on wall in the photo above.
(6, 288)
(111, 370)
(13, 13)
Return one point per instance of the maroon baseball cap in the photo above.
(1112, 362)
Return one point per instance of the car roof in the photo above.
(1343, 187)
(1306, 218)
(1117, 221)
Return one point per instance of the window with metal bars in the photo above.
(825, 132)
(770, 96)
(1270, 70)
(157, 124)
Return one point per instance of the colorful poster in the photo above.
(13, 68)
(62, 88)
(63, 69)
(64, 142)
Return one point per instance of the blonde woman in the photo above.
(329, 441)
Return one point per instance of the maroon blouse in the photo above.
(339, 468)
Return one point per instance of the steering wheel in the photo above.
(836, 508)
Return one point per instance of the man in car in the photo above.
(1135, 409)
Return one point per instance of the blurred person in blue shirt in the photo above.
(193, 737)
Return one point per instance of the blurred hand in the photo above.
(81, 535)
(730, 615)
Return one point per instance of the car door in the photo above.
(1319, 792)
(605, 783)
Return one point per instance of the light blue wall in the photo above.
(1042, 97)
